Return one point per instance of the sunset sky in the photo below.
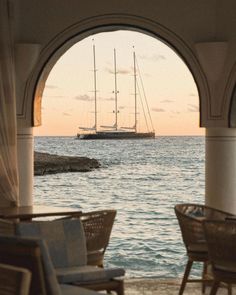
(68, 99)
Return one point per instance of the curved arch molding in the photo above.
(232, 113)
(231, 91)
(60, 43)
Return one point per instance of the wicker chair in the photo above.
(64, 232)
(67, 247)
(97, 227)
(190, 218)
(33, 255)
(14, 280)
(221, 243)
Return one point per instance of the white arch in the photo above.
(230, 91)
(71, 35)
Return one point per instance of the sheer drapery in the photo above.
(9, 186)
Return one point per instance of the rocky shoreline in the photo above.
(45, 163)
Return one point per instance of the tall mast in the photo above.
(116, 92)
(95, 86)
(135, 93)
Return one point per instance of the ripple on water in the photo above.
(142, 180)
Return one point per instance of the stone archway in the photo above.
(58, 45)
(64, 40)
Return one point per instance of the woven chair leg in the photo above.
(120, 289)
(214, 287)
(204, 272)
(229, 289)
(186, 275)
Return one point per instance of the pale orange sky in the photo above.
(68, 100)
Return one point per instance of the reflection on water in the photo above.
(142, 180)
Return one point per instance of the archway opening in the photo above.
(141, 179)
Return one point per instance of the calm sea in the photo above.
(142, 180)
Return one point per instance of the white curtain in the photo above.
(9, 185)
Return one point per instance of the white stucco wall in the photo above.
(182, 23)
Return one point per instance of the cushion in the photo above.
(88, 273)
(196, 213)
(65, 240)
(225, 266)
(72, 290)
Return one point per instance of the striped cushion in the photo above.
(65, 240)
(86, 274)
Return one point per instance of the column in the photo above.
(25, 149)
(26, 56)
(221, 168)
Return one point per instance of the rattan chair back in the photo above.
(97, 227)
(191, 217)
(14, 280)
(221, 242)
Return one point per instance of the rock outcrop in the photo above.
(45, 163)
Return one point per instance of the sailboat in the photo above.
(114, 132)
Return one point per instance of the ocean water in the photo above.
(142, 180)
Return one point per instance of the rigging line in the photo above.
(141, 80)
(144, 113)
(95, 84)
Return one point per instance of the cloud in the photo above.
(51, 87)
(192, 94)
(166, 101)
(193, 108)
(84, 97)
(107, 98)
(121, 71)
(154, 57)
(175, 112)
(66, 114)
(158, 110)
(55, 96)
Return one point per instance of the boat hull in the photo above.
(116, 135)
